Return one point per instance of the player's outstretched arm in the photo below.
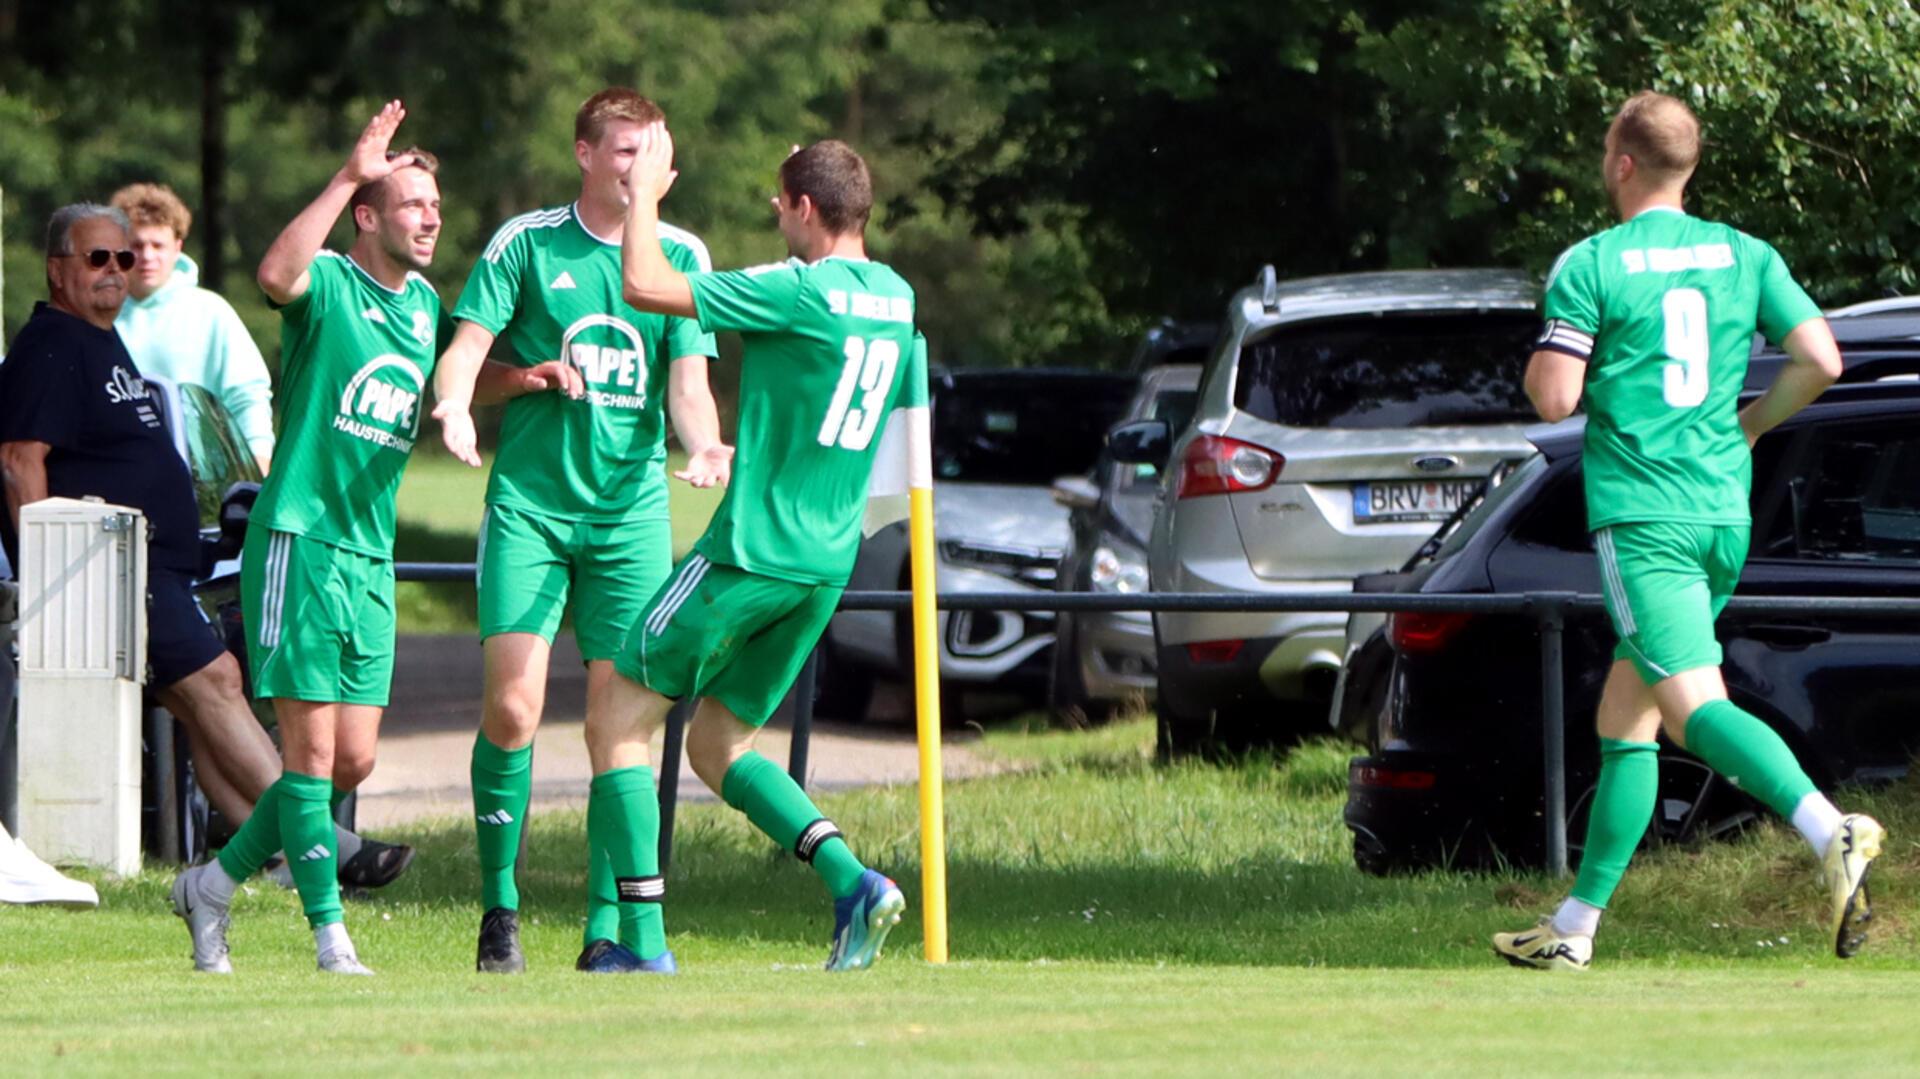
(1554, 381)
(1813, 365)
(648, 281)
(453, 386)
(696, 420)
(283, 270)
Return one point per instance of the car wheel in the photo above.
(1178, 735)
(1374, 858)
(1694, 805)
(1067, 696)
(841, 690)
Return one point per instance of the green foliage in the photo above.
(1811, 113)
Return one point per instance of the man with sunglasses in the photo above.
(77, 420)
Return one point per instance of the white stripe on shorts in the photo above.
(691, 572)
(1615, 584)
(273, 599)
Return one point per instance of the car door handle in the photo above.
(1786, 636)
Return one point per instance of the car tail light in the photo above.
(1213, 465)
(1424, 632)
(1215, 651)
(1405, 779)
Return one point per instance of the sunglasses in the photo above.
(100, 256)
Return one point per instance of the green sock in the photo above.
(256, 839)
(777, 806)
(306, 834)
(334, 800)
(1749, 754)
(502, 787)
(1622, 808)
(623, 826)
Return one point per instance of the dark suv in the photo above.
(1449, 703)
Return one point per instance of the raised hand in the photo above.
(369, 160)
(456, 431)
(652, 173)
(711, 467)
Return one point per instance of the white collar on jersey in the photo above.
(1661, 210)
(582, 222)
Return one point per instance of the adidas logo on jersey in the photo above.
(318, 852)
(372, 314)
(565, 280)
(498, 816)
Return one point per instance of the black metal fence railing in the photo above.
(1548, 609)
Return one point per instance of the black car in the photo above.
(1449, 704)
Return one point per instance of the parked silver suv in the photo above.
(1339, 419)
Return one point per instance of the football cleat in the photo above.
(1850, 854)
(862, 921)
(499, 951)
(1543, 949)
(607, 957)
(343, 962)
(376, 864)
(206, 920)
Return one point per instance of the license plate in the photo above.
(1410, 500)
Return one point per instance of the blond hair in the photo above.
(1660, 133)
(154, 204)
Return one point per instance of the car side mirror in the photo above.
(1076, 492)
(235, 507)
(1140, 442)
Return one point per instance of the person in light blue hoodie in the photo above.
(180, 331)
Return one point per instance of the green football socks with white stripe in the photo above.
(502, 787)
(777, 806)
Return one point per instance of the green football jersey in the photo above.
(355, 357)
(550, 290)
(1663, 308)
(829, 353)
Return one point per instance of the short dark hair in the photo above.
(375, 193)
(832, 175)
(613, 103)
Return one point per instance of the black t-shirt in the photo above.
(72, 385)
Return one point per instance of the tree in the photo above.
(1811, 112)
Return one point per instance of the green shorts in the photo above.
(529, 563)
(319, 619)
(1664, 583)
(721, 632)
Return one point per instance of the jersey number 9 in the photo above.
(1685, 311)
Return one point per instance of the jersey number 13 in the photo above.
(868, 371)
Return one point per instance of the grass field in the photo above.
(1109, 916)
(440, 502)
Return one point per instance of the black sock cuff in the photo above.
(640, 889)
(812, 836)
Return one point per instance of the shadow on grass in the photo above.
(1046, 898)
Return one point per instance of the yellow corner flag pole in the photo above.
(926, 677)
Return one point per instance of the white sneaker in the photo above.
(343, 962)
(206, 920)
(1855, 844)
(1543, 949)
(24, 878)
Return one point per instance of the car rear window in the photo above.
(1397, 371)
(1023, 430)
